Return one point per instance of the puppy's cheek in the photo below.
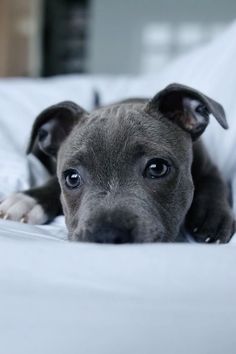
(70, 212)
(23, 208)
(72, 225)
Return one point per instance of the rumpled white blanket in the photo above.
(59, 297)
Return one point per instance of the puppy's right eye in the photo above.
(72, 178)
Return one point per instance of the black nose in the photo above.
(113, 235)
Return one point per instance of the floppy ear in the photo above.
(53, 125)
(188, 108)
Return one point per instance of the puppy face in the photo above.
(125, 176)
(125, 169)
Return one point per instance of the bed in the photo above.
(62, 297)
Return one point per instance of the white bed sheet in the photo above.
(61, 297)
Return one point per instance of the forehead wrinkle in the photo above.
(74, 160)
(142, 148)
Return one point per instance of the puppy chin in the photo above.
(140, 234)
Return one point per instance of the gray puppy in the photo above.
(133, 171)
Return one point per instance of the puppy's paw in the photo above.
(23, 208)
(210, 222)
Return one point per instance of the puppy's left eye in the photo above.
(156, 168)
(72, 178)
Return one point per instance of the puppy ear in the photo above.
(53, 125)
(188, 108)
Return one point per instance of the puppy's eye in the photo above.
(156, 168)
(72, 178)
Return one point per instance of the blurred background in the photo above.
(53, 37)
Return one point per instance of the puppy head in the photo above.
(125, 169)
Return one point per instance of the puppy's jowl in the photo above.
(134, 171)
